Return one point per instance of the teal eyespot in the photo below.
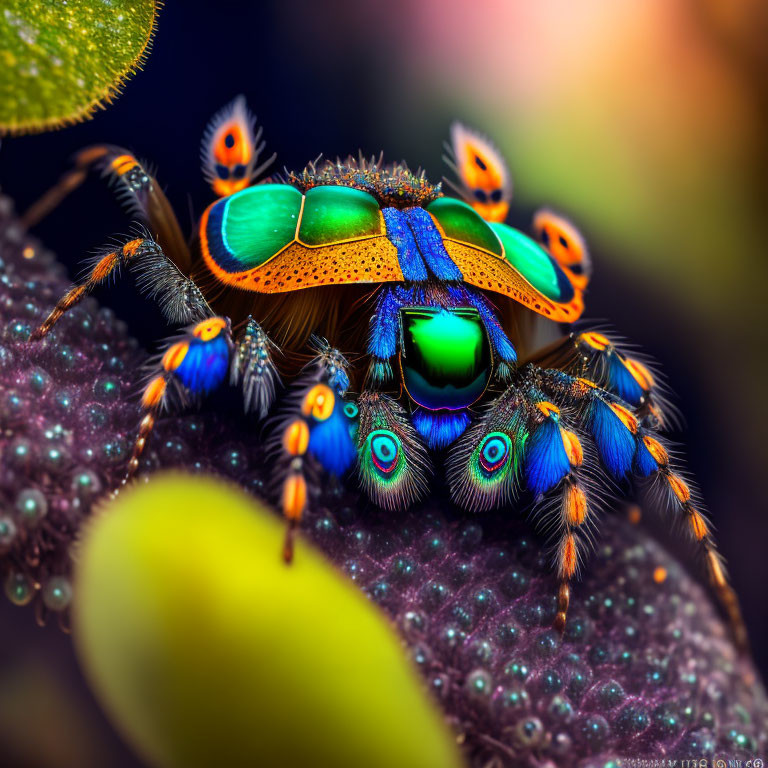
(534, 264)
(446, 356)
(495, 451)
(384, 447)
(350, 410)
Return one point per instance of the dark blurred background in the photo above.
(644, 120)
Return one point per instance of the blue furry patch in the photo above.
(430, 244)
(645, 464)
(205, 365)
(546, 462)
(331, 443)
(615, 443)
(440, 428)
(401, 236)
(622, 382)
(385, 325)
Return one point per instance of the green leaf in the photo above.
(59, 61)
(207, 649)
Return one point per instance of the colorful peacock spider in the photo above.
(458, 315)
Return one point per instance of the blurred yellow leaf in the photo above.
(207, 650)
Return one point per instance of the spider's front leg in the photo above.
(179, 298)
(320, 424)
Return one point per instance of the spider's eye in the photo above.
(494, 452)
(481, 196)
(496, 195)
(385, 450)
(222, 171)
(238, 172)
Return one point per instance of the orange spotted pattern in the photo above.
(679, 488)
(319, 402)
(547, 408)
(298, 266)
(174, 355)
(626, 416)
(483, 270)
(698, 525)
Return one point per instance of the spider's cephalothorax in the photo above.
(452, 319)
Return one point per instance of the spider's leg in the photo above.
(383, 339)
(253, 369)
(653, 463)
(317, 423)
(178, 296)
(552, 468)
(231, 148)
(609, 366)
(192, 365)
(135, 188)
(628, 448)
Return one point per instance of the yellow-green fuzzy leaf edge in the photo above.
(59, 62)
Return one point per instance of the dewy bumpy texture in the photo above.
(645, 670)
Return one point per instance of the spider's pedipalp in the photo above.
(393, 463)
(231, 148)
(253, 368)
(484, 464)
